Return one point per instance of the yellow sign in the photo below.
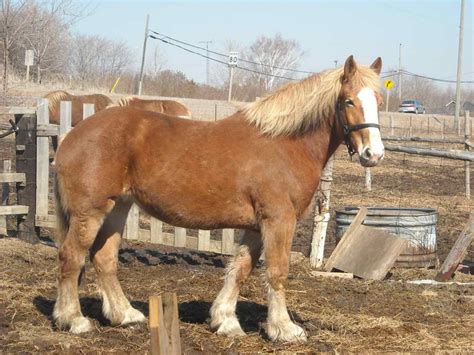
(388, 84)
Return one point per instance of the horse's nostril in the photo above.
(368, 153)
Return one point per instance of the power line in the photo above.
(218, 60)
(226, 55)
(405, 72)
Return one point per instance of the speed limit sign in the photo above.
(233, 59)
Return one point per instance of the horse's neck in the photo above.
(322, 142)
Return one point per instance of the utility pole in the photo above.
(458, 77)
(400, 73)
(140, 83)
(207, 60)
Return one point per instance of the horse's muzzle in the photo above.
(369, 158)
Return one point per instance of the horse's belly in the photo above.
(193, 208)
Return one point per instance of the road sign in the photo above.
(233, 59)
(388, 84)
(29, 57)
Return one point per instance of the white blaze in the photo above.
(369, 106)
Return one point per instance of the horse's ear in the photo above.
(350, 68)
(377, 65)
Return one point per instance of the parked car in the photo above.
(412, 106)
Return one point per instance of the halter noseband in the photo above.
(347, 129)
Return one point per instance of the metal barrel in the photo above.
(417, 225)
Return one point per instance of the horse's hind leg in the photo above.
(104, 256)
(72, 252)
(223, 318)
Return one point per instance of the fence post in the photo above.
(368, 179)
(7, 168)
(428, 124)
(26, 163)
(65, 117)
(392, 130)
(204, 240)
(321, 216)
(467, 165)
(410, 134)
(133, 223)
(443, 128)
(87, 110)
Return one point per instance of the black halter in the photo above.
(347, 129)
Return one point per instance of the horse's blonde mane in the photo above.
(125, 101)
(299, 106)
(55, 97)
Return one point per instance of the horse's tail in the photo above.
(62, 216)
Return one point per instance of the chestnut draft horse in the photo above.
(100, 102)
(168, 107)
(256, 170)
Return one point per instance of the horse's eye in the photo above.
(349, 103)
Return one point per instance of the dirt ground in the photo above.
(338, 315)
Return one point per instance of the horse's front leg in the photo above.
(278, 234)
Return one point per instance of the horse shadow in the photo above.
(251, 315)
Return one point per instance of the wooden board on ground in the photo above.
(366, 252)
(458, 251)
(164, 325)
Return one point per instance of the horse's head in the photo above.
(357, 114)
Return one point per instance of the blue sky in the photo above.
(326, 30)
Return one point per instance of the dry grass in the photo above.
(339, 315)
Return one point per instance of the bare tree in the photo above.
(157, 62)
(95, 57)
(272, 56)
(15, 19)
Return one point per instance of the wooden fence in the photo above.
(33, 157)
(158, 231)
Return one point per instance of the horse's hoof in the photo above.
(288, 333)
(230, 327)
(133, 315)
(80, 325)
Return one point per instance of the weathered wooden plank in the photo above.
(342, 246)
(47, 130)
(25, 143)
(48, 221)
(159, 343)
(171, 322)
(7, 166)
(424, 140)
(132, 225)
(179, 237)
(88, 110)
(42, 162)
(227, 241)
(18, 110)
(458, 251)
(156, 231)
(65, 117)
(337, 275)
(369, 253)
(204, 240)
(13, 210)
(441, 153)
(12, 177)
